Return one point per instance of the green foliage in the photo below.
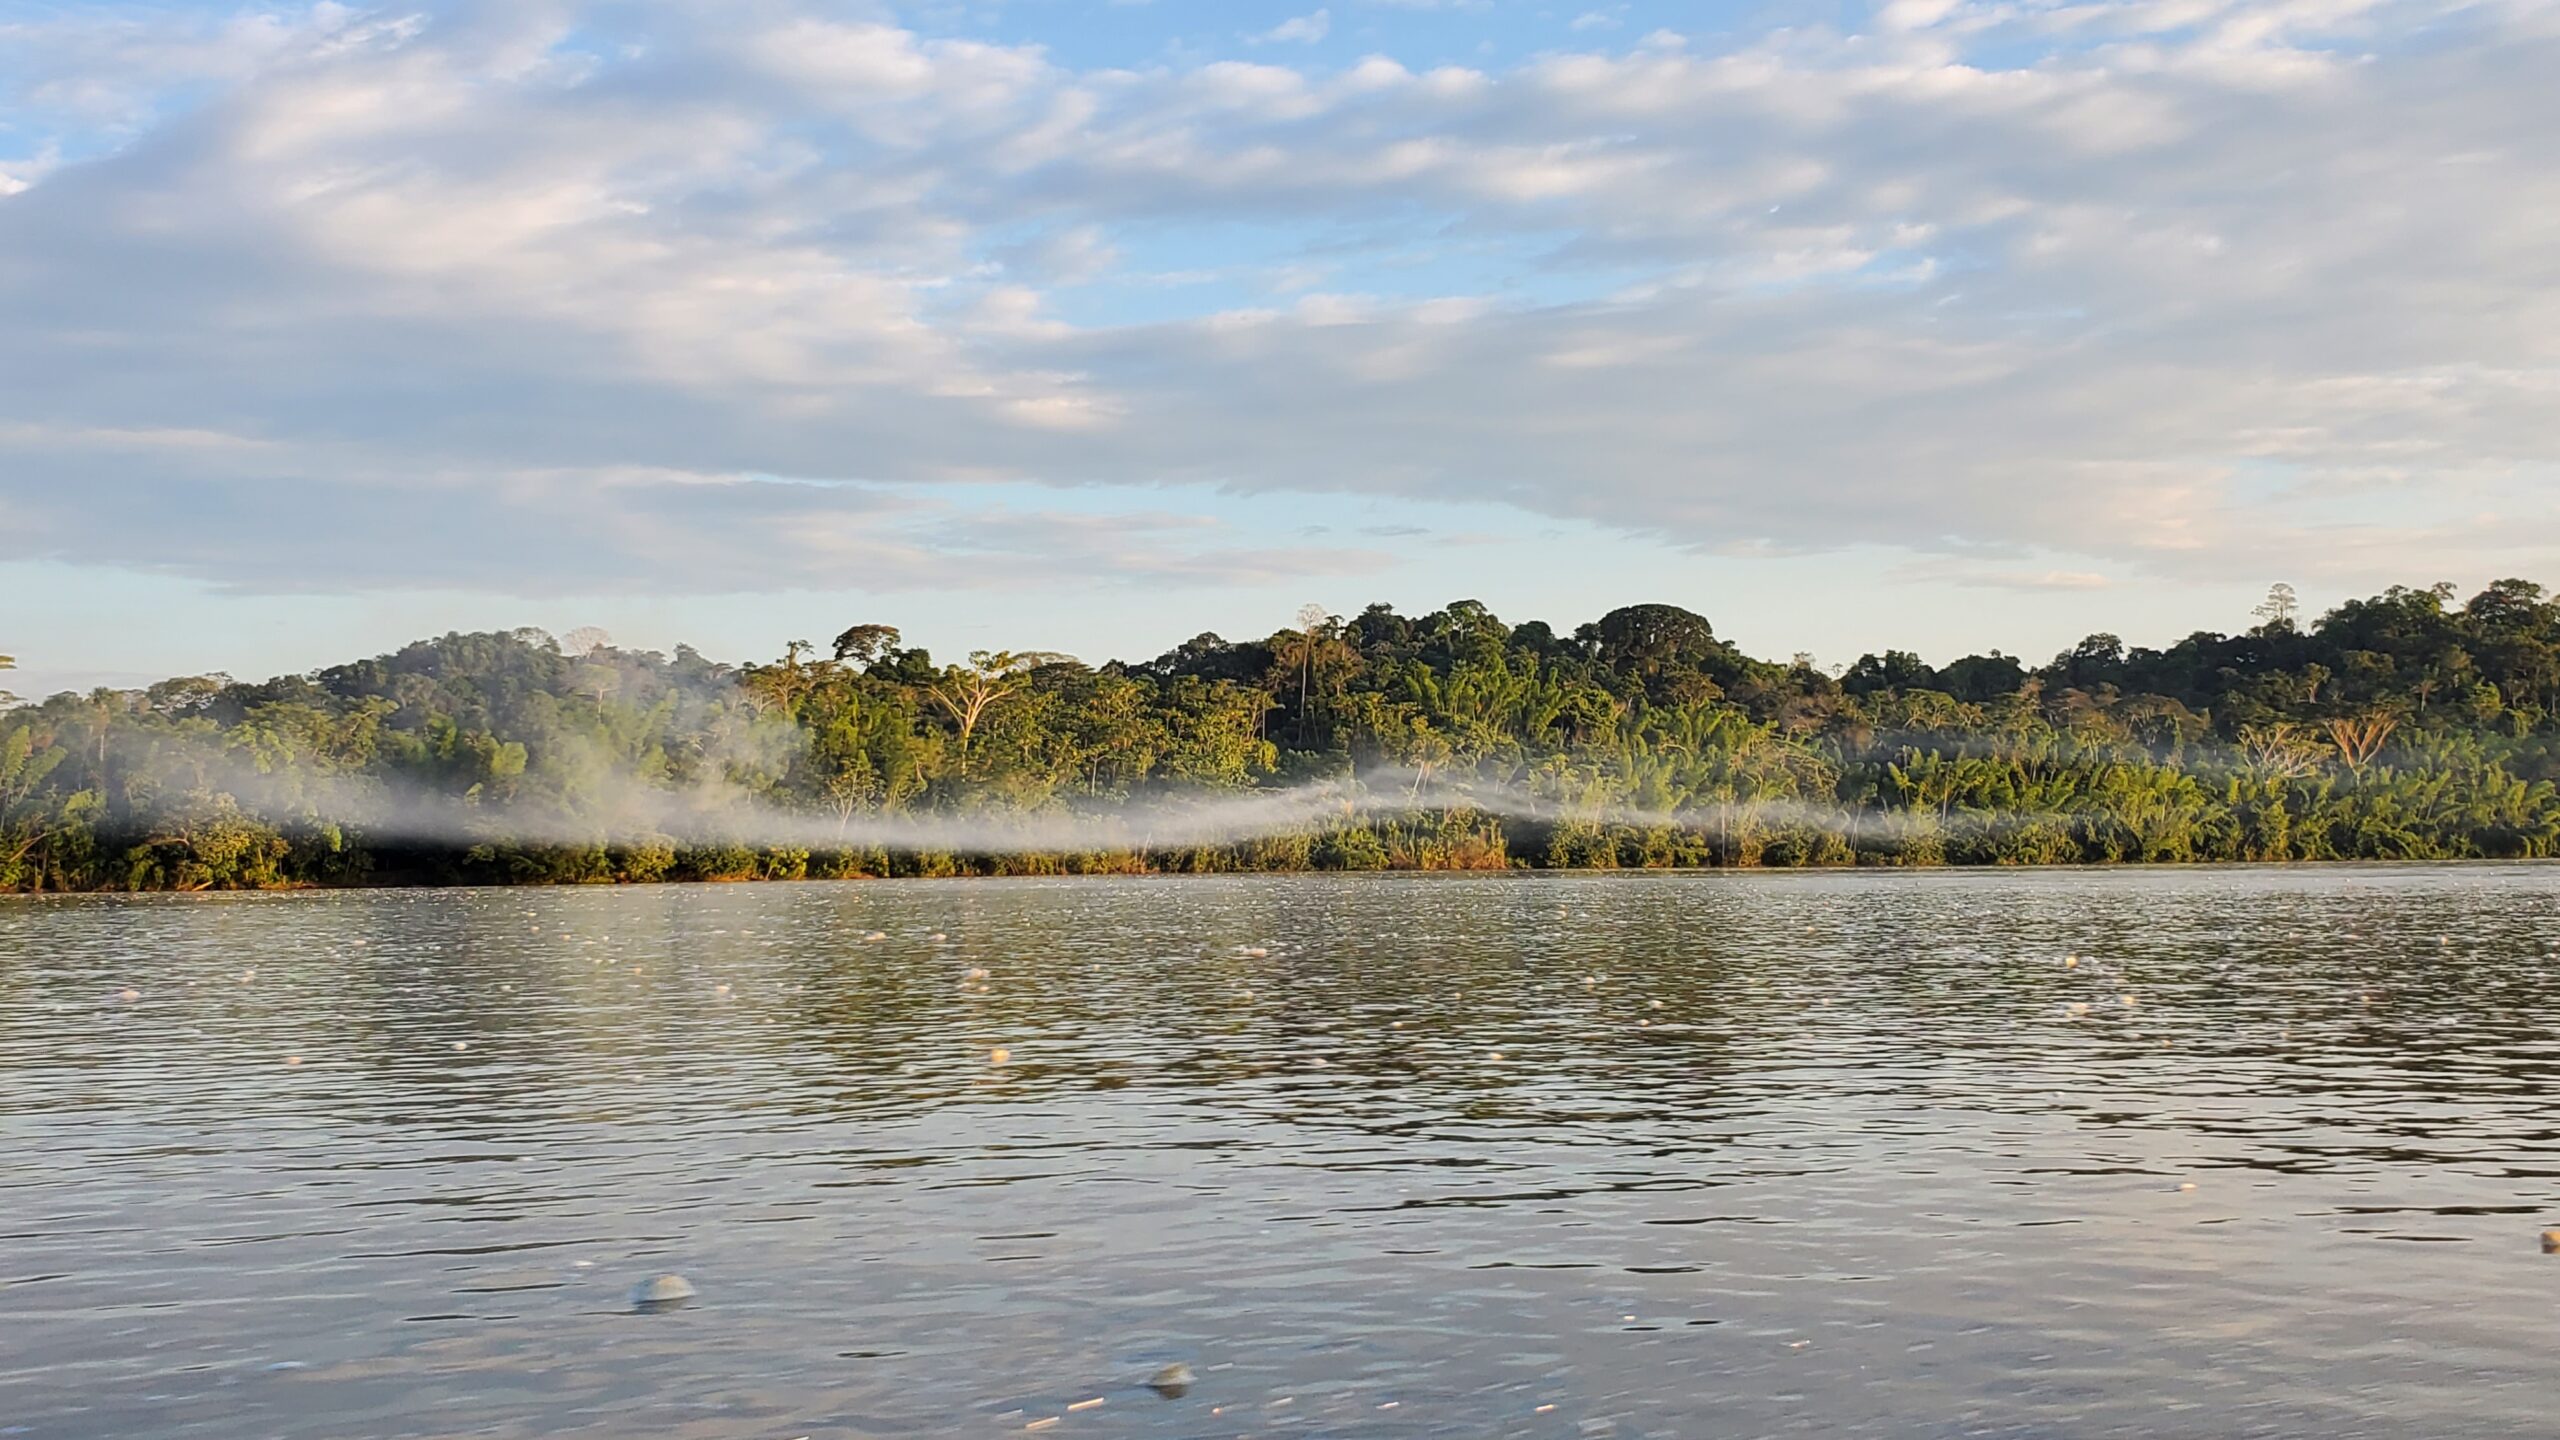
(1350, 847)
(2404, 726)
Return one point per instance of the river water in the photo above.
(1670, 1155)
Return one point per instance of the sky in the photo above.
(1073, 325)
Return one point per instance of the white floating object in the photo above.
(661, 1291)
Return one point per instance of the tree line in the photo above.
(2410, 725)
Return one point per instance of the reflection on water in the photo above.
(1623, 1155)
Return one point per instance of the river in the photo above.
(2051, 1154)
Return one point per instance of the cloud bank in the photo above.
(545, 296)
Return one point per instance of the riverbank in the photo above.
(1448, 842)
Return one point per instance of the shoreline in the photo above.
(1526, 874)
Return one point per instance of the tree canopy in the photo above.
(2404, 725)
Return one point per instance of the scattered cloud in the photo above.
(1304, 30)
(547, 291)
(586, 532)
(1974, 575)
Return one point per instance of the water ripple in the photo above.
(2033, 1154)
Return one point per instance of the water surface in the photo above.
(1844, 1154)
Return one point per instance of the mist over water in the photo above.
(629, 811)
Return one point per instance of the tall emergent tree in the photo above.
(968, 692)
(2277, 610)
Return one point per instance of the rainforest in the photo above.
(2411, 725)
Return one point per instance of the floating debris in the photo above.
(2551, 1242)
(1173, 1381)
(999, 1055)
(661, 1292)
(128, 996)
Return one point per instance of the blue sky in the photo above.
(1939, 324)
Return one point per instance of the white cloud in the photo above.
(2198, 287)
(1304, 30)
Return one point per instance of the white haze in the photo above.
(630, 812)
